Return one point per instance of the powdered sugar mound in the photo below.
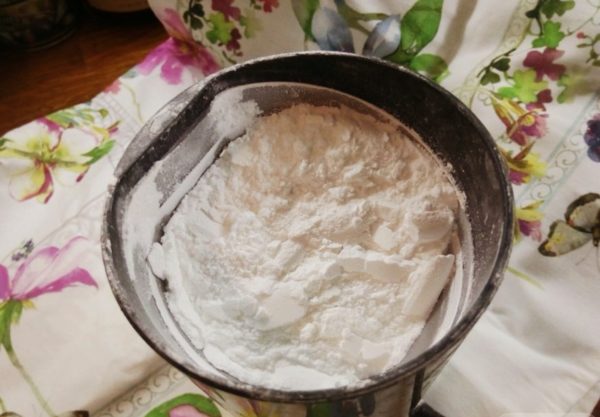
(313, 250)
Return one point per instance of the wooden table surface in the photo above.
(33, 84)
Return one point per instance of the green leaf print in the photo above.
(525, 87)
(10, 312)
(418, 27)
(489, 73)
(551, 36)
(431, 65)
(353, 17)
(199, 402)
(573, 83)
(490, 77)
(197, 10)
(70, 117)
(99, 151)
(194, 15)
(559, 7)
(220, 28)
(61, 118)
(3, 142)
(319, 410)
(503, 64)
(251, 24)
(304, 11)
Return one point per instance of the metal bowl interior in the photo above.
(173, 150)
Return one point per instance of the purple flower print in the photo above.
(592, 138)
(177, 53)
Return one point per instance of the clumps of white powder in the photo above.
(311, 253)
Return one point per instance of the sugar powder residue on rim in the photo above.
(236, 76)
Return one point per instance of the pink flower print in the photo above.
(45, 153)
(175, 26)
(581, 35)
(543, 97)
(517, 177)
(186, 411)
(532, 229)
(113, 129)
(529, 221)
(543, 63)
(522, 125)
(173, 56)
(269, 5)
(234, 42)
(531, 124)
(113, 87)
(52, 126)
(225, 7)
(46, 271)
(523, 166)
(177, 53)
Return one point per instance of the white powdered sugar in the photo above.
(311, 253)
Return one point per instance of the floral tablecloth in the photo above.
(528, 69)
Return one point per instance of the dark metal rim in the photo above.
(393, 375)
